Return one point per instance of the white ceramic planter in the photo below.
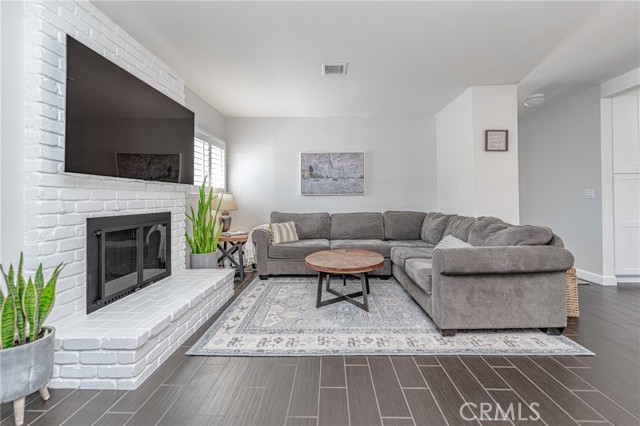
(204, 261)
(25, 369)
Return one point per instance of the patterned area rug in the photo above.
(278, 317)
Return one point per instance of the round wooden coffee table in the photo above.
(344, 262)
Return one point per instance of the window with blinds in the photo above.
(209, 160)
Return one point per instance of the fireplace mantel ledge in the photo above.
(120, 345)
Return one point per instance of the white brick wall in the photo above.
(119, 346)
(56, 203)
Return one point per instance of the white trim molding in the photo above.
(597, 278)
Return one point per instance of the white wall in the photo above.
(456, 156)
(472, 181)
(207, 117)
(496, 188)
(264, 163)
(11, 132)
(559, 159)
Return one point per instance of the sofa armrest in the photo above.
(262, 241)
(501, 260)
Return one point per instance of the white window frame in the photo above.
(212, 142)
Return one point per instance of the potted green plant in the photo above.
(205, 230)
(26, 345)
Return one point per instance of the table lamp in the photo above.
(228, 203)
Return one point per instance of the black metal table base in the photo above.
(364, 278)
(228, 254)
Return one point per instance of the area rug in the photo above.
(278, 317)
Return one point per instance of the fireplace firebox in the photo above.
(125, 254)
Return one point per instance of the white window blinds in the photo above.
(209, 160)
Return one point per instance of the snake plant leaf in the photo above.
(47, 297)
(29, 307)
(8, 279)
(7, 322)
(21, 324)
(39, 279)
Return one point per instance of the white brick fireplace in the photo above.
(57, 204)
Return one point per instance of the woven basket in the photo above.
(573, 309)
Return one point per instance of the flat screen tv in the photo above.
(117, 125)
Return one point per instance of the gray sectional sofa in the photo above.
(511, 276)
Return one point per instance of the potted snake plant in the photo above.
(205, 230)
(26, 345)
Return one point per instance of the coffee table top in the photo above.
(348, 261)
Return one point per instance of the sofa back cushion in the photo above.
(403, 225)
(433, 227)
(491, 231)
(357, 226)
(459, 227)
(308, 225)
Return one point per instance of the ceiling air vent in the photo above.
(335, 68)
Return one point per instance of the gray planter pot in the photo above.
(27, 368)
(204, 261)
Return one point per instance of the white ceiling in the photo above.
(263, 59)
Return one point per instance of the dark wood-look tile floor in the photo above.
(381, 390)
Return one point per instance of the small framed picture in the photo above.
(496, 140)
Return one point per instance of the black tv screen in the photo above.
(117, 125)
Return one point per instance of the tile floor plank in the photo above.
(561, 374)
(446, 395)
(61, 412)
(333, 407)
(408, 372)
(550, 412)
(388, 391)
(556, 391)
(306, 388)
(272, 410)
(154, 409)
(424, 408)
(243, 408)
(113, 419)
(363, 407)
(91, 412)
(302, 421)
(483, 372)
(609, 409)
(332, 372)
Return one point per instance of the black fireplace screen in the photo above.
(124, 254)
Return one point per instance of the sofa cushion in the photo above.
(410, 243)
(403, 225)
(433, 227)
(399, 255)
(459, 227)
(297, 249)
(357, 226)
(419, 270)
(308, 225)
(491, 231)
(376, 246)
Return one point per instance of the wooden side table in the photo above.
(235, 244)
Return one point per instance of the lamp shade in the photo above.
(228, 202)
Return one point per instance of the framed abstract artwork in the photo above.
(332, 173)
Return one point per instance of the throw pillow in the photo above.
(450, 241)
(283, 232)
(433, 227)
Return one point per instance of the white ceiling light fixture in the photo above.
(334, 68)
(534, 100)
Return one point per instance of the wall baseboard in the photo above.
(597, 278)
